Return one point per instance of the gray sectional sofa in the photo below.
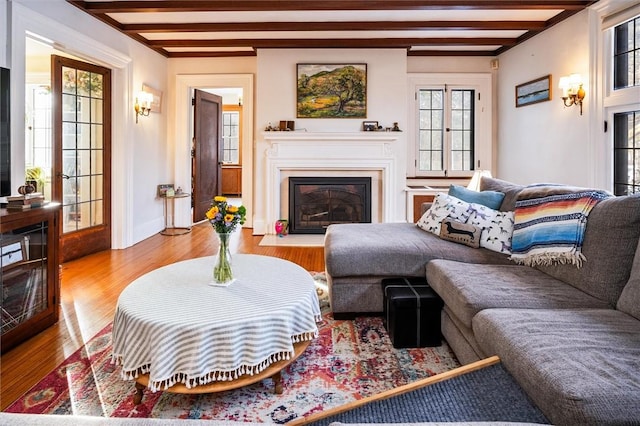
(570, 336)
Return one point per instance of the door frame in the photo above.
(185, 83)
(66, 39)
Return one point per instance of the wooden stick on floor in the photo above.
(398, 391)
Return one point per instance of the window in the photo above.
(626, 54)
(446, 130)
(449, 134)
(626, 147)
(623, 108)
(230, 136)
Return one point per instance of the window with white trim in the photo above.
(622, 41)
(231, 118)
(451, 129)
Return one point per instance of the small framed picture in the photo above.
(534, 91)
(163, 188)
(369, 126)
(13, 253)
(156, 103)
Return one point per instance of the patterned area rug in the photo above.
(349, 360)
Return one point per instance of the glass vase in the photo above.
(222, 273)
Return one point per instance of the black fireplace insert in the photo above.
(317, 202)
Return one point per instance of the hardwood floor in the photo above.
(90, 288)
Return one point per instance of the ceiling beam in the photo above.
(283, 5)
(335, 42)
(451, 53)
(219, 54)
(333, 26)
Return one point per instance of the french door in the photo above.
(82, 155)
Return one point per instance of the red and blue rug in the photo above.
(348, 361)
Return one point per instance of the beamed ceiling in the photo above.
(202, 28)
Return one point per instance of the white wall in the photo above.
(5, 31)
(276, 100)
(546, 141)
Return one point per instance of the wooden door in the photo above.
(82, 155)
(206, 152)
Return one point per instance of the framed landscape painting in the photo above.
(331, 91)
(534, 91)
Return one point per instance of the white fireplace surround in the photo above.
(330, 154)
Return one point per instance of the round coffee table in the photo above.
(174, 331)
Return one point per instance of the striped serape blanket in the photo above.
(550, 222)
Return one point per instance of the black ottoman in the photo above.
(411, 312)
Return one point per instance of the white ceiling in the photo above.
(238, 28)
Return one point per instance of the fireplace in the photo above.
(317, 202)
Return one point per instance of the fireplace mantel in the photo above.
(356, 152)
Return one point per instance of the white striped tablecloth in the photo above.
(175, 326)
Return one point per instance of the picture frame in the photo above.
(163, 188)
(156, 104)
(13, 253)
(534, 91)
(369, 126)
(331, 90)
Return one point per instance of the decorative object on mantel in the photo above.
(283, 126)
(369, 126)
(395, 128)
(224, 218)
(331, 91)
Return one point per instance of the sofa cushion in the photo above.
(610, 241)
(467, 289)
(458, 232)
(491, 199)
(509, 189)
(392, 249)
(497, 229)
(629, 300)
(578, 366)
(444, 206)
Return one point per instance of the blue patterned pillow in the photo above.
(491, 199)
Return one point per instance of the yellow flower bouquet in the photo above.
(224, 218)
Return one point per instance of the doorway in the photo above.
(67, 143)
(215, 83)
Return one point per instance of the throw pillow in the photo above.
(491, 199)
(497, 228)
(444, 206)
(459, 232)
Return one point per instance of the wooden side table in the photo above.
(169, 205)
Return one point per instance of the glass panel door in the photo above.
(82, 119)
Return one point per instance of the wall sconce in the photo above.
(143, 104)
(572, 91)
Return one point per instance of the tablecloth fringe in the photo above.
(214, 376)
(303, 337)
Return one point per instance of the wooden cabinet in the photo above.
(30, 272)
(232, 180)
(416, 195)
